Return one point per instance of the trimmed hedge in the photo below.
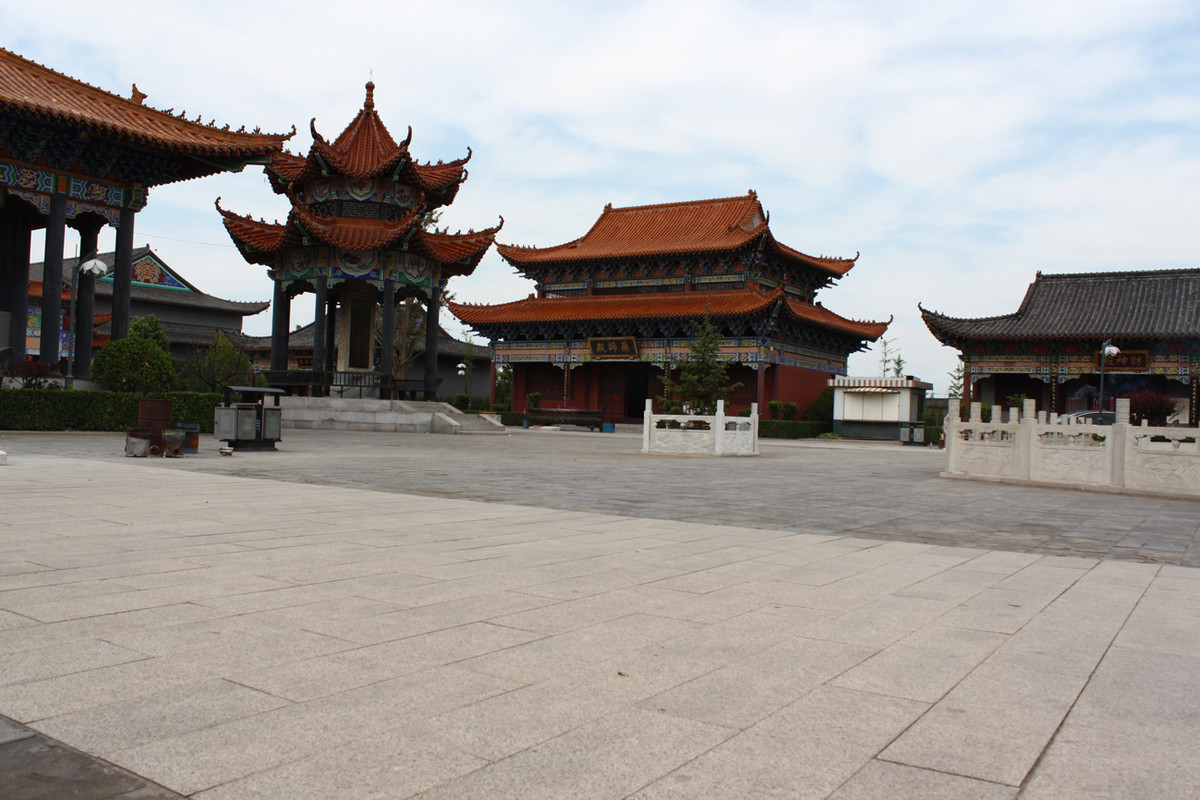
(59, 410)
(512, 418)
(791, 429)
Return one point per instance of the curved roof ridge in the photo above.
(749, 196)
(34, 88)
(1128, 273)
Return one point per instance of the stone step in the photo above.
(476, 424)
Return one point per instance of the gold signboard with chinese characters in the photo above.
(613, 347)
(1126, 361)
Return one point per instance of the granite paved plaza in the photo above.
(553, 615)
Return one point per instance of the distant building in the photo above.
(614, 307)
(1049, 348)
(190, 317)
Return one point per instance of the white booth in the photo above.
(880, 408)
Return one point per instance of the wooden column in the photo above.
(52, 279)
(319, 305)
(15, 227)
(122, 275)
(1193, 410)
(85, 305)
(492, 389)
(281, 314)
(432, 312)
(387, 339)
(331, 334)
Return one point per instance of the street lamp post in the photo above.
(1107, 349)
(94, 267)
(462, 373)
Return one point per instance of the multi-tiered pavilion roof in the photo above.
(360, 193)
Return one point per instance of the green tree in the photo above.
(504, 385)
(134, 364)
(703, 377)
(956, 381)
(149, 328)
(212, 368)
(820, 409)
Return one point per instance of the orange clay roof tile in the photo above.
(355, 235)
(447, 248)
(253, 236)
(697, 226)
(675, 305)
(31, 89)
(365, 148)
(825, 318)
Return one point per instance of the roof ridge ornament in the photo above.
(369, 102)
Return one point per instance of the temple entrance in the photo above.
(624, 388)
(637, 390)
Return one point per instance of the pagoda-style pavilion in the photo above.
(356, 238)
(617, 306)
(1049, 349)
(72, 155)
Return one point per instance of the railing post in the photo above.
(647, 423)
(719, 429)
(754, 425)
(1119, 444)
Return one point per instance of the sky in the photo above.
(958, 147)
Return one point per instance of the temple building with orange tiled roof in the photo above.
(357, 238)
(616, 307)
(73, 155)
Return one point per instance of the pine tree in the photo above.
(703, 378)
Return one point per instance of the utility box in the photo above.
(250, 424)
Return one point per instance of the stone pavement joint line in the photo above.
(227, 636)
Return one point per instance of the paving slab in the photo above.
(553, 615)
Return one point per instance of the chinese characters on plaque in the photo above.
(613, 347)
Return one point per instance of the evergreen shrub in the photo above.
(792, 429)
(57, 410)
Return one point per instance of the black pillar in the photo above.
(122, 275)
(85, 306)
(15, 226)
(281, 313)
(318, 329)
(52, 279)
(331, 335)
(431, 342)
(387, 339)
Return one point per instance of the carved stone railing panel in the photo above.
(698, 434)
(1120, 457)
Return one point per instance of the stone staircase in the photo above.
(394, 416)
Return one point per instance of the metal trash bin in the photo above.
(250, 424)
(912, 432)
(137, 442)
(173, 440)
